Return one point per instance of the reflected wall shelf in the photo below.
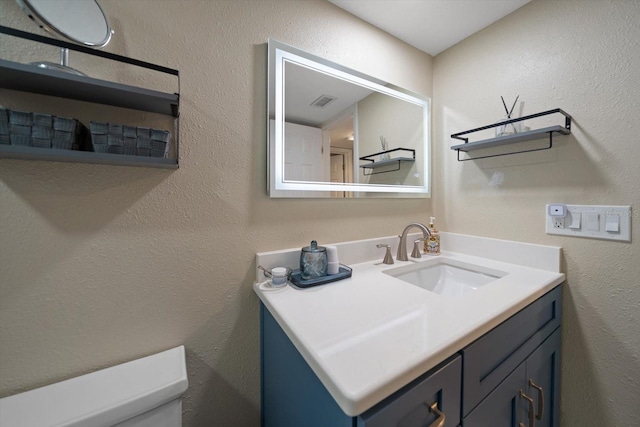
(29, 78)
(513, 138)
(397, 161)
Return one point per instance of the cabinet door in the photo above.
(539, 378)
(503, 406)
(411, 406)
(488, 360)
(543, 381)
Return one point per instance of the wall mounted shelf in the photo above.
(75, 156)
(397, 161)
(29, 78)
(513, 138)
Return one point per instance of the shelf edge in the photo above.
(29, 78)
(511, 139)
(73, 156)
(382, 163)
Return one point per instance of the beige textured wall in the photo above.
(103, 264)
(581, 56)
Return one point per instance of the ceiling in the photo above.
(430, 25)
(303, 85)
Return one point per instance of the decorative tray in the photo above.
(296, 278)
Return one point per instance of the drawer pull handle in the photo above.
(531, 411)
(540, 399)
(441, 417)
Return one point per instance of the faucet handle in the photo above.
(388, 258)
(416, 248)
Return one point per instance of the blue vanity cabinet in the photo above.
(478, 386)
(292, 395)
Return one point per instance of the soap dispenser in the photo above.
(432, 245)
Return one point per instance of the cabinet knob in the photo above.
(532, 420)
(540, 399)
(441, 417)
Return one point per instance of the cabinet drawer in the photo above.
(491, 358)
(410, 406)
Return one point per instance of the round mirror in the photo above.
(81, 21)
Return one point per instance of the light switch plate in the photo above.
(575, 222)
(612, 223)
(593, 221)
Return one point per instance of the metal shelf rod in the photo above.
(84, 49)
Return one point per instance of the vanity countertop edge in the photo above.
(368, 336)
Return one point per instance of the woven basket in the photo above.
(40, 130)
(129, 140)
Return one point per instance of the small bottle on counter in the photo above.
(432, 245)
(333, 266)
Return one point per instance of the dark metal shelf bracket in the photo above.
(385, 171)
(399, 161)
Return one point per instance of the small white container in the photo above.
(333, 266)
(278, 276)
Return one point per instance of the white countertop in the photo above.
(367, 336)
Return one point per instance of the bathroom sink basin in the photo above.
(446, 277)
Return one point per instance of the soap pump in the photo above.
(432, 245)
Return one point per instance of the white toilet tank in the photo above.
(142, 393)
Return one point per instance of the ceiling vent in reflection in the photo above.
(323, 101)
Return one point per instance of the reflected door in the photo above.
(303, 153)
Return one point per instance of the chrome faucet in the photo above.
(402, 246)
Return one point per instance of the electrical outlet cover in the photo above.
(572, 226)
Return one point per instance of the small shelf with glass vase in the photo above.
(384, 160)
(512, 132)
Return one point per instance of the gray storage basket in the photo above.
(20, 134)
(40, 130)
(4, 126)
(129, 140)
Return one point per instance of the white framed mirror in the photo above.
(334, 132)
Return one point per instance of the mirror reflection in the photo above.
(334, 132)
